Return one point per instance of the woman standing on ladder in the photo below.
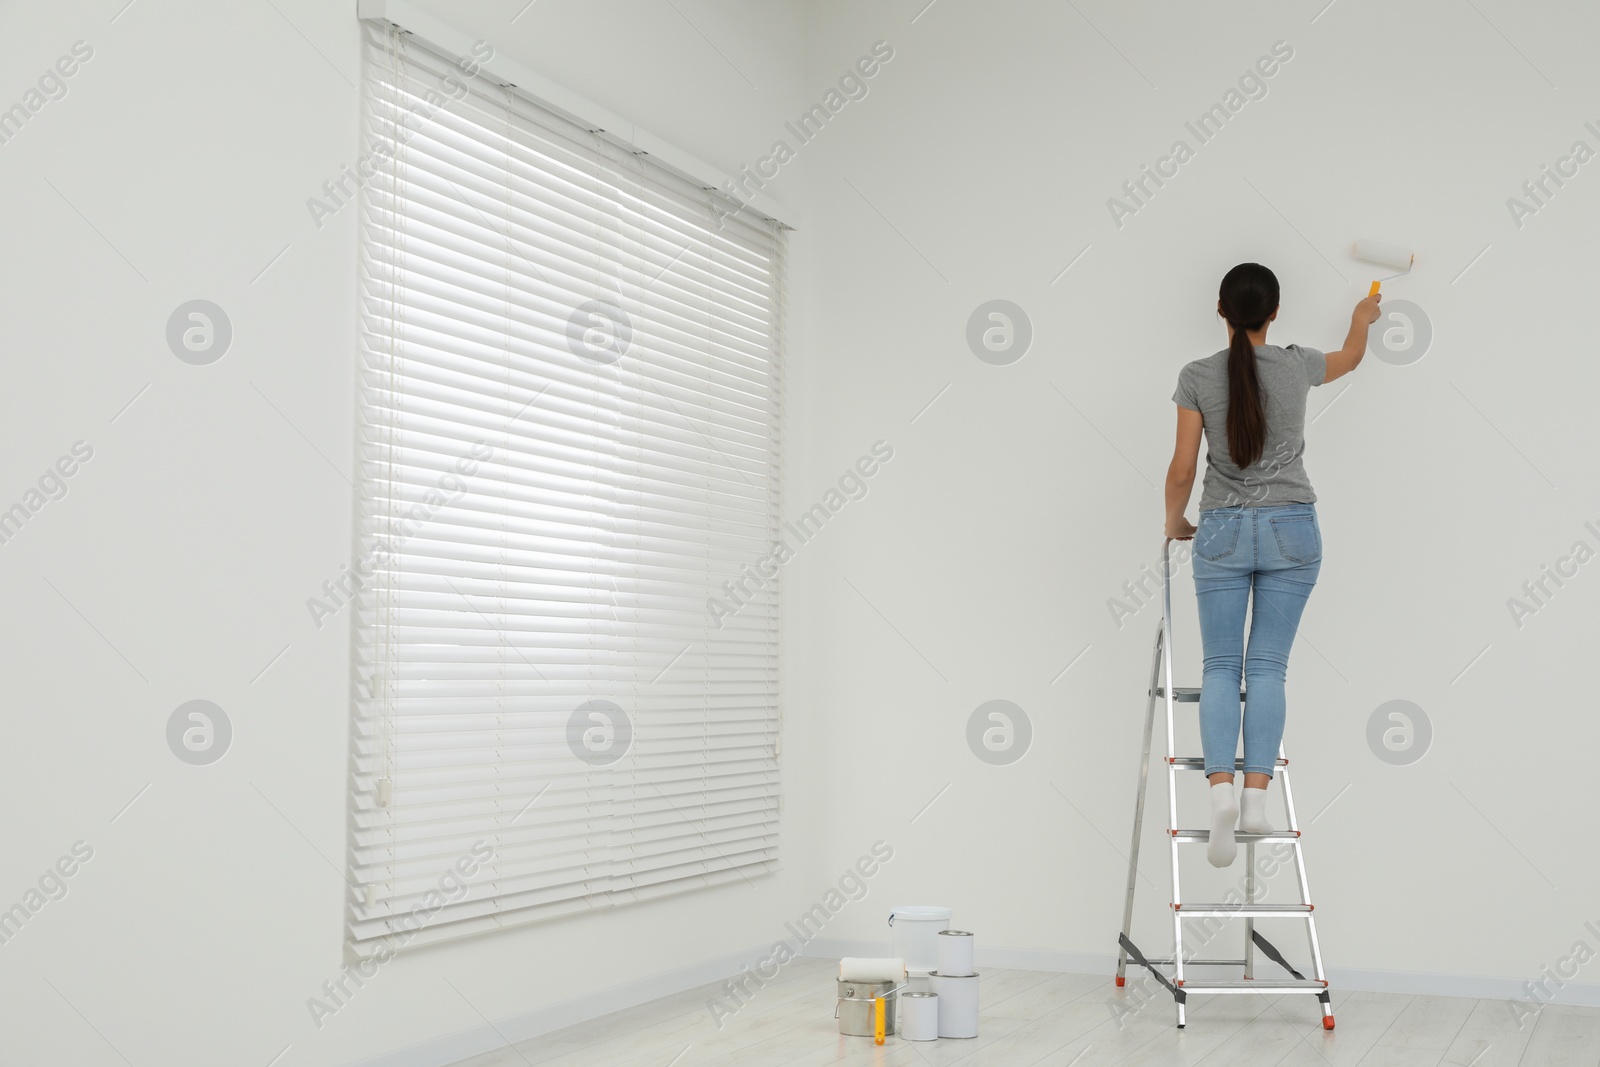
(1258, 531)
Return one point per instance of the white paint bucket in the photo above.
(916, 935)
(955, 952)
(919, 1016)
(958, 1004)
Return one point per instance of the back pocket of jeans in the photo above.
(1217, 536)
(1298, 541)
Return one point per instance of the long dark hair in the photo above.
(1248, 297)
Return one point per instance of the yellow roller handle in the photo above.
(1374, 290)
(877, 1020)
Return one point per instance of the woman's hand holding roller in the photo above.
(1346, 358)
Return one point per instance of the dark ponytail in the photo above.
(1248, 297)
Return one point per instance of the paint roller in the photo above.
(1385, 255)
(867, 969)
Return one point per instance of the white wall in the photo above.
(977, 567)
(178, 166)
(981, 562)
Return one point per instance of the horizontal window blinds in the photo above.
(570, 395)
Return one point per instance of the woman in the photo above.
(1258, 531)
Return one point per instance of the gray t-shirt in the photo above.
(1278, 477)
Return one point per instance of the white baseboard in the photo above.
(453, 1048)
(1584, 994)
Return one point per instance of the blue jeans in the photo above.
(1277, 551)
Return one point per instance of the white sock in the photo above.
(1253, 811)
(1224, 812)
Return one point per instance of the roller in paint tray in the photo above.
(1385, 255)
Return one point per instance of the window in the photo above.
(566, 690)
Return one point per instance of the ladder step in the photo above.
(1199, 963)
(1186, 694)
(1253, 985)
(1248, 911)
(1198, 763)
(1243, 838)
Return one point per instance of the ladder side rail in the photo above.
(1138, 808)
(1294, 825)
(1250, 920)
(1169, 688)
(1305, 886)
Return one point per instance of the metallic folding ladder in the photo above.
(1249, 909)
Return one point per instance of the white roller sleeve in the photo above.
(1384, 254)
(864, 969)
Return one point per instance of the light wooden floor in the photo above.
(1034, 1017)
